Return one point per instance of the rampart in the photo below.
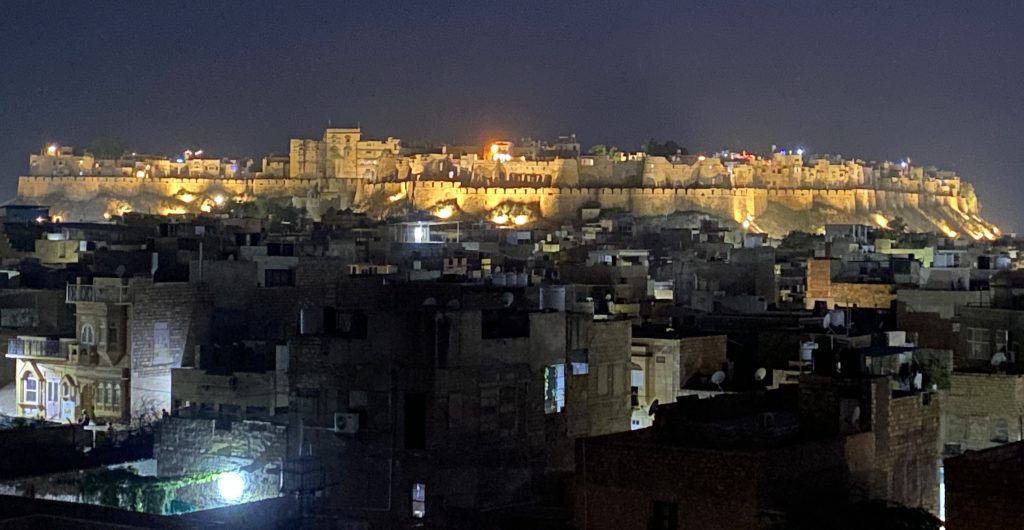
(793, 208)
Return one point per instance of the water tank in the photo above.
(499, 279)
(807, 350)
(522, 279)
(586, 306)
(1003, 262)
(552, 297)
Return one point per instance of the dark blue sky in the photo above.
(939, 81)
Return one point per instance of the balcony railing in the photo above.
(39, 348)
(113, 294)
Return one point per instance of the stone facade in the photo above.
(982, 410)
(778, 197)
(486, 402)
(733, 473)
(821, 287)
(168, 322)
(187, 447)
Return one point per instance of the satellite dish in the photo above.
(998, 358)
(760, 374)
(430, 302)
(608, 297)
(855, 417)
(654, 408)
(120, 271)
(507, 299)
(718, 378)
(918, 381)
(453, 304)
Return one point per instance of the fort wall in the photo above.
(556, 202)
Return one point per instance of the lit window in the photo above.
(88, 334)
(554, 388)
(30, 389)
(419, 500)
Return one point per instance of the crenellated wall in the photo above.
(88, 188)
(921, 209)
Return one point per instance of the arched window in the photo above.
(29, 388)
(88, 334)
(68, 389)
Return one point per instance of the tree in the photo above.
(667, 149)
(603, 150)
(108, 147)
(898, 225)
(896, 229)
(798, 239)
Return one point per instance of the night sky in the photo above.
(939, 81)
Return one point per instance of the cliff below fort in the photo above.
(775, 211)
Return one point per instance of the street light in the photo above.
(231, 485)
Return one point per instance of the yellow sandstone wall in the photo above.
(922, 210)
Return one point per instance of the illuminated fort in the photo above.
(508, 183)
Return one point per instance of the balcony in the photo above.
(111, 294)
(40, 348)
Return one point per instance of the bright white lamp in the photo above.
(231, 486)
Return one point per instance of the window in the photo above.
(1001, 431)
(30, 389)
(489, 399)
(415, 421)
(357, 399)
(952, 449)
(1001, 339)
(419, 500)
(88, 334)
(101, 394)
(112, 335)
(279, 277)
(67, 390)
(554, 388)
(579, 360)
(115, 400)
(52, 390)
(978, 346)
(664, 516)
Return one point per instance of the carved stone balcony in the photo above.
(39, 348)
(111, 294)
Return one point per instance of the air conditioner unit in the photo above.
(346, 422)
